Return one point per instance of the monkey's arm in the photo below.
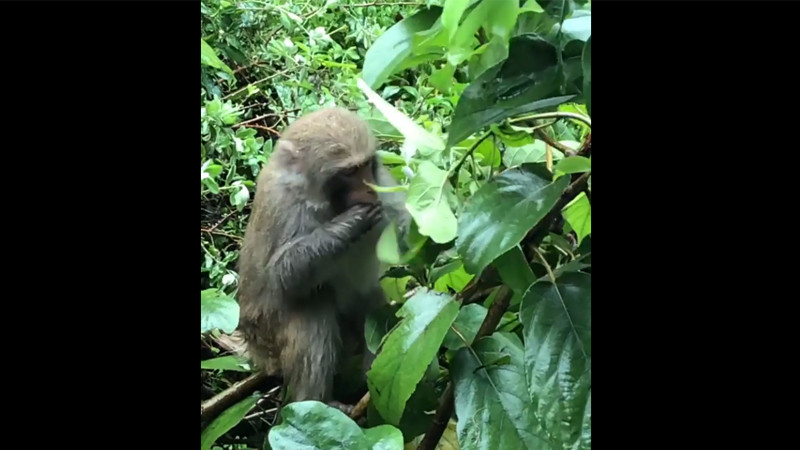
(303, 263)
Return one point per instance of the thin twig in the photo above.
(552, 142)
(264, 128)
(254, 119)
(220, 233)
(263, 80)
(361, 407)
(227, 216)
(454, 171)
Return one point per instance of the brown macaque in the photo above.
(308, 268)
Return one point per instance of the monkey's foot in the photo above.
(347, 409)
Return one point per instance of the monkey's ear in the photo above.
(288, 148)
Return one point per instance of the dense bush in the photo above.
(482, 109)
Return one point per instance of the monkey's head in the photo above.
(333, 152)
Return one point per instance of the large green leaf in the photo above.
(225, 421)
(218, 310)
(314, 425)
(523, 83)
(209, 58)
(578, 213)
(408, 350)
(556, 322)
(390, 50)
(502, 211)
(515, 271)
(491, 400)
(466, 326)
(428, 203)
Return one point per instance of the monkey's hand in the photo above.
(307, 261)
(359, 219)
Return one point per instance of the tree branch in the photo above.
(212, 407)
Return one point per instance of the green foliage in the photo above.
(225, 422)
(407, 351)
(465, 97)
(314, 425)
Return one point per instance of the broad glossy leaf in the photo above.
(556, 322)
(230, 362)
(384, 437)
(378, 323)
(529, 153)
(515, 272)
(218, 310)
(225, 421)
(407, 351)
(467, 324)
(389, 51)
(451, 15)
(428, 204)
(315, 425)
(209, 58)
(455, 280)
(531, 6)
(414, 134)
(491, 400)
(502, 19)
(578, 213)
(523, 83)
(499, 215)
(573, 164)
(578, 27)
(586, 63)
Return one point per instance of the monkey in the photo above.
(308, 268)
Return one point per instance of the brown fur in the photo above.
(298, 327)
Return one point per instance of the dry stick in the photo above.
(360, 408)
(446, 405)
(220, 233)
(552, 143)
(212, 407)
(264, 128)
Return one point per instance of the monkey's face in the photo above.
(348, 186)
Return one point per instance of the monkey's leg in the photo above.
(311, 354)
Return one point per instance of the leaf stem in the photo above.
(557, 115)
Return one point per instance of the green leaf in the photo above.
(531, 6)
(502, 19)
(428, 204)
(529, 153)
(378, 323)
(416, 136)
(451, 15)
(515, 272)
(385, 56)
(586, 64)
(209, 58)
(578, 213)
(467, 324)
(407, 351)
(519, 85)
(574, 164)
(315, 425)
(384, 437)
(225, 421)
(499, 215)
(218, 311)
(578, 27)
(455, 279)
(240, 197)
(556, 322)
(231, 362)
(491, 400)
